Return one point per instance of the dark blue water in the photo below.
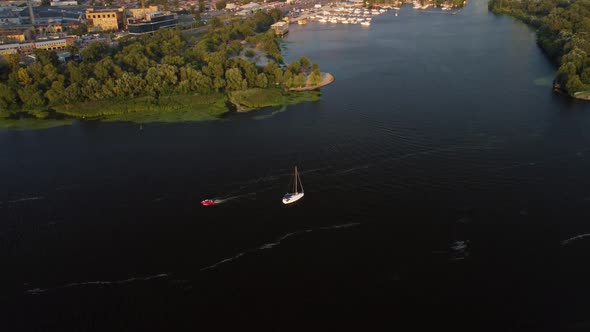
(442, 179)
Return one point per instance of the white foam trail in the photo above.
(350, 224)
(36, 291)
(577, 237)
(24, 199)
(224, 261)
(459, 245)
(352, 169)
(278, 242)
(226, 199)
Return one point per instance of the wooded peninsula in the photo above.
(166, 76)
(563, 32)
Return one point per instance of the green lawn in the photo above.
(167, 109)
(251, 99)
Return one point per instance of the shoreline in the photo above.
(327, 79)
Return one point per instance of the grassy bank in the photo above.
(31, 123)
(246, 100)
(143, 109)
(146, 110)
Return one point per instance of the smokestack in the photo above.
(31, 12)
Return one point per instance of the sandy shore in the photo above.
(327, 78)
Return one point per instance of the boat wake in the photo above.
(25, 199)
(36, 291)
(275, 112)
(352, 169)
(571, 239)
(278, 242)
(231, 198)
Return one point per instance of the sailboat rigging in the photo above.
(296, 194)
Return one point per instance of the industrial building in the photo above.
(105, 19)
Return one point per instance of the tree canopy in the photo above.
(563, 32)
(153, 66)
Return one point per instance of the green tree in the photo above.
(74, 73)
(233, 77)
(294, 67)
(215, 23)
(299, 80)
(73, 93)
(261, 81)
(24, 78)
(55, 95)
(305, 62)
(7, 97)
(94, 52)
(220, 4)
(574, 85)
(315, 77)
(32, 97)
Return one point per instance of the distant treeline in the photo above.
(563, 32)
(154, 66)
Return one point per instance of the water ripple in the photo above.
(277, 242)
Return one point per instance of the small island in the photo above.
(563, 30)
(162, 77)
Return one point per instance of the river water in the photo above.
(443, 179)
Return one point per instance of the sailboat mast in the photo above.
(295, 182)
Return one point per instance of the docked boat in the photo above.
(323, 20)
(365, 23)
(295, 195)
(208, 202)
(302, 22)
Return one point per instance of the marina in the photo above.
(344, 13)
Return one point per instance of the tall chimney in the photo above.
(30, 5)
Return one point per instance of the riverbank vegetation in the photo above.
(563, 32)
(164, 73)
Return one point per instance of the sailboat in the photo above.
(295, 195)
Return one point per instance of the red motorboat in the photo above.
(208, 202)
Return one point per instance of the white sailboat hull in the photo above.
(292, 198)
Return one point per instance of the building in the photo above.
(27, 48)
(152, 22)
(58, 3)
(107, 19)
(46, 15)
(141, 12)
(15, 34)
(251, 7)
(8, 17)
(281, 28)
(53, 44)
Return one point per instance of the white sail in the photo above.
(289, 198)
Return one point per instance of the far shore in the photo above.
(327, 79)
